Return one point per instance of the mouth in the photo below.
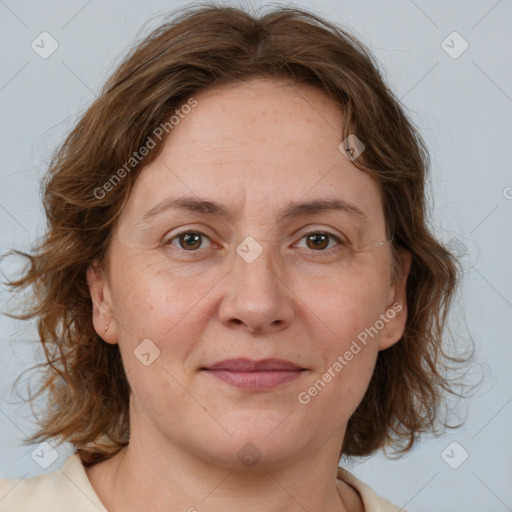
(255, 375)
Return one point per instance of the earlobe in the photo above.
(102, 314)
(396, 310)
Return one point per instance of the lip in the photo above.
(243, 364)
(255, 375)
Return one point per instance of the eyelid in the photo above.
(320, 230)
(183, 230)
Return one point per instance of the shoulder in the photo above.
(371, 501)
(67, 488)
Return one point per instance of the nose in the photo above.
(257, 298)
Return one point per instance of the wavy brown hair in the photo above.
(203, 46)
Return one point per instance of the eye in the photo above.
(319, 240)
(188, 240)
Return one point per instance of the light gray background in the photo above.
(463, 107)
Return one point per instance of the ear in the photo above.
(102, 313)
(396, 308)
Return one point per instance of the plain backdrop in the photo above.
(449, 63)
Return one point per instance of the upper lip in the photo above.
(249, 365)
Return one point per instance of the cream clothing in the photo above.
(68, 489)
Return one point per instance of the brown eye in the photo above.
(319, 241)
(188, 240)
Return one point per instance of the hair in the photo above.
(83, 380)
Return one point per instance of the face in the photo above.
(185, 287)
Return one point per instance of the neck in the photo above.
(152, 473)
(140, 479)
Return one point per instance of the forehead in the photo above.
(256, 146)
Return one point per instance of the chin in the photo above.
(258, 439)
(255, 454)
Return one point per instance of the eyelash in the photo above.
(328, 252)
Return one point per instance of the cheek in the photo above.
(151, 302)
(154, 304)
(347, 352)
(347, 305)
(155, 311)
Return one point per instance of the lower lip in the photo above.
(256, 380)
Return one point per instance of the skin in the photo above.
(272, 143)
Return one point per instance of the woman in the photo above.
(238, 285)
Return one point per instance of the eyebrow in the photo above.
(293, 209)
